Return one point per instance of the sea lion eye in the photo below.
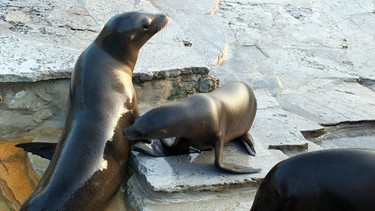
(146, 23)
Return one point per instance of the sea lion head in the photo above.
(125, 34)
(139, 130)
(150, 124)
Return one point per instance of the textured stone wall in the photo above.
(27, 108)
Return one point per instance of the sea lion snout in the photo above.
(135, 132)
(154, 23)
(131, 134)
(130, 31)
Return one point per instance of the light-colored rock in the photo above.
(239, 199)
(47, 46)
(16, 16)
(204, 30)
(302, 123)
(243, 59)
(197, 172)
(334, 102)
(270, 125)
(191, 7)
(272, 84)
(182, 181)
(306, 41)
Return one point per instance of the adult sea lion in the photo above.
(337, 179)
(89, 161)
(202, 121)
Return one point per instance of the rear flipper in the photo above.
(43, 149)
(248, 141)
(219, 148)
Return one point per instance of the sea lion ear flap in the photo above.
(131, 37)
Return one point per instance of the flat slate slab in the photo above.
(42, 40)
(272, 125)
(197, 172)
(203, 29)
(186, 181)
(167, 182)
(332, 103)
(239, 199)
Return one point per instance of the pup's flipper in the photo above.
(155, 148)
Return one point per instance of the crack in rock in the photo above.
(367, 82)
(348, 129)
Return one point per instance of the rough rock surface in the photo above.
(41, 40)
(310, 63)
(29, 108)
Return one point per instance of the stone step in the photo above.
(185, 181)
(197, 172)
(192, 181)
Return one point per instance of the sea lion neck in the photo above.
(126, 55)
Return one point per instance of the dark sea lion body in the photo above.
(202, 121)
(327, 180)
(89, 161)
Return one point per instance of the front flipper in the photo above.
(173, 143)
(43, 149)
(155, 148)
(165, 147)
(248, 141)
(219, 148)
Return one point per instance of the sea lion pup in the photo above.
(90, 159)
(337, 179)
(202, 121)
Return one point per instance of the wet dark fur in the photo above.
(89, 161)
(201, 121)
(339, 179)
